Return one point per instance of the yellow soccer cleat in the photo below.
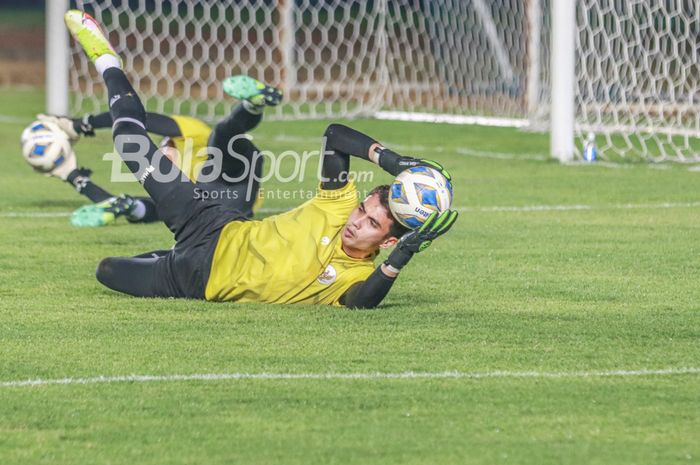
(88, 33)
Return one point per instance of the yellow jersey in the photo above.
(190, 160)
(294, 257)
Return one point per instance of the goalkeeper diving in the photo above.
(177, 131)
(321, 252)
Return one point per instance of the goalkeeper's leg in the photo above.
(146, 275)
(238, 179)
(176, 200)
(239, 121)
(229, 133)
(137, 276)
(254, 96)
(240, 174)
(179, 272)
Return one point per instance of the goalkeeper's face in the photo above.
(367, 228)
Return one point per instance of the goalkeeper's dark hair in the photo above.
(397, 229)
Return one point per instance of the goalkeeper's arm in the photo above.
(369, 293)
(156, 123)
(342, 141)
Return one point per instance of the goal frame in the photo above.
(58, 53)
(550, 95)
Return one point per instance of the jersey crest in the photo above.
(328, 276)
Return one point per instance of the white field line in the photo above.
(34, 214)
(521, 209)
(353, 376)
(544, 208)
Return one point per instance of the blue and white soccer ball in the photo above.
(45, 146)
(416, 193)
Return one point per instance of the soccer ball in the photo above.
(416, 193)
(45, 146)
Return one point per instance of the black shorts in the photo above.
(184, 271)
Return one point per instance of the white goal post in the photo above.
(57, 58)
(562, 96)
(625, 70)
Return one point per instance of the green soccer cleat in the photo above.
(103, 213)
(88, 33)
(252, 90)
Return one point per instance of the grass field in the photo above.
(557, 292)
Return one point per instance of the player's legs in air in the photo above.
(196, 224)
(239, 181)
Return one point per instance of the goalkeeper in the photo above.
(319, 253)
(177, 131)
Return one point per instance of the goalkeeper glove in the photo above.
(65, 124)
(395, 163)
(405, 163)
(73, 128)
(69, 164)
(419, 239)
(436, 166)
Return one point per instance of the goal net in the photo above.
(473, 61)
(638, 79)
(333, 58)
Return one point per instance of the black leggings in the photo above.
(239, 181)
(194, 221)
(130, 275)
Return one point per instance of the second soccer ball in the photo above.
(45, 146)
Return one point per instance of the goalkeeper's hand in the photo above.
(409, 162)
(419, 239)
(64, 123)
(69, 164)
